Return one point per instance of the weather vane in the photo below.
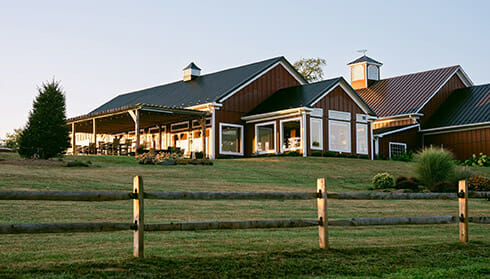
(363, 51)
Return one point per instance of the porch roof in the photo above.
(119, 120)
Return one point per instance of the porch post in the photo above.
(160, 146)
(137, 129)
(203, 135)
(94, 133)
(73, 139)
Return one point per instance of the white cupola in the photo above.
(364, 71)
(191, 71)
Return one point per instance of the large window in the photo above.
(397, 148)
(362, 138)
(291, 134)
(316, 133)
(231, 139)
(339, 136)
(265, 137)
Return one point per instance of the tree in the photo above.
(12, 139)
(311, 68)
(46, 133)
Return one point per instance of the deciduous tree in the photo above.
(311, 68)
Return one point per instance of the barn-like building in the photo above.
(267, 107)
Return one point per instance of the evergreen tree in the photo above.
(46, 134)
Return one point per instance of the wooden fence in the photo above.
(138, 226)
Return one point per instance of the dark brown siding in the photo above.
(463, 143)
(410, 137)
(249, 97)
(431, 107)
(340, 101)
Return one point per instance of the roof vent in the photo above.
(191, 71)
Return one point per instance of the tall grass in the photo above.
(434, 165)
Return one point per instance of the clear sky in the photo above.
(99, 49)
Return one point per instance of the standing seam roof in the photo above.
(464, 106)
(404, 94)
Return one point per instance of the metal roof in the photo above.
(299, 96)
(405, 94)
(464, 106)
(192, 66)
(365, 58)
(200, 90)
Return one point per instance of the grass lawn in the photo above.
(431, 251)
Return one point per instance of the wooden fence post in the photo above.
(463, 210)
(322, 213)
(138, 217)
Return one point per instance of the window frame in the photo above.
(349, 144)
(311, 133)
(367, 139)
(399, 143)
(275, 137)
(172, 130)
(221, 125)
(281, 133)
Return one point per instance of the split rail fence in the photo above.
(138, 195)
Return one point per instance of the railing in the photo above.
(139, 227)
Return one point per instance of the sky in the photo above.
(99, 49)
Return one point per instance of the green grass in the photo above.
(383, 251)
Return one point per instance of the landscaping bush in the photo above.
(405, 157)
(444, 187)
(199, 155)
(292, 153)
(433, 166)
(400, 178)
(316, 153)
(383, 181)
(461, 174)
(478, 183)
(478, 161)
(329, 154)
(407, 184)
(152, 158)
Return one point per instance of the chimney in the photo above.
(191, 71)
(364, 72)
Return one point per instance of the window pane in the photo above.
(316, 133)
(339, 136)
(362, 139)
(291, 135)
(230, 139)
(265, 138)
(397, 149)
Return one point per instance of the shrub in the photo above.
(400, 178)
(444, 187)
(292, 153)
(363, 157)
(461, 174)
(316, 153)
(433, 166)
(199, 155)
(481, 161)
(478, 183)
(329, 154)
(383, 181)
(46, 134)
(152, 158)
(407, 184)
(405, 157)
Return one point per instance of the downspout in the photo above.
(213, 132)
(372, 139)
(303, 136)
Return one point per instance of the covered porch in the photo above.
(141, 128)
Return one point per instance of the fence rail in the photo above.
(138, 195)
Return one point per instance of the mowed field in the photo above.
(428, 251)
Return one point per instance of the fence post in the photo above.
(322, 213)
(463, 210)
(138, 217)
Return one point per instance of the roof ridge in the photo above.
(421, 72)
(208, 74)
